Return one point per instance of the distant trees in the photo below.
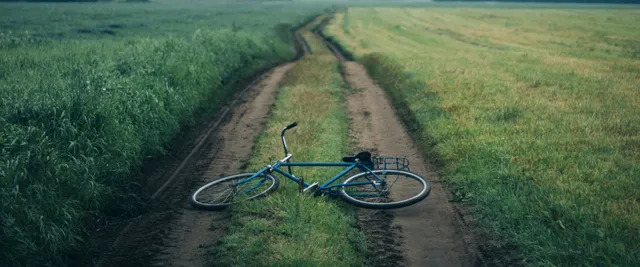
(560, 1)
(49, 1)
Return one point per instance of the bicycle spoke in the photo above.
(397, 177)
(365, 191)
(228, 195)
(215, 196)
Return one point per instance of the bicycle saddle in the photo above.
(363, 157)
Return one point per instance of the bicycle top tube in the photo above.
(327, 184)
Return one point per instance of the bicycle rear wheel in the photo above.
(395, 189)
(225, 191)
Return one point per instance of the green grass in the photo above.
(287, 228)
(532, 113)
(64, 21)
(80, 111)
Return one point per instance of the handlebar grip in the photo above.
(291, 125)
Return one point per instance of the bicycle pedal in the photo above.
(311, 187)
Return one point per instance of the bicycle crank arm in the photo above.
(311, 187)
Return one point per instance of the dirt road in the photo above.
(174, 234)
(431, 232)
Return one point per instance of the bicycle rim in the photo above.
(400, 189)
(232, 189)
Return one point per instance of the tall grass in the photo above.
(78, 115)
(287, 228)
(533, 115)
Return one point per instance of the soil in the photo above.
(431, 232)
(172, 233)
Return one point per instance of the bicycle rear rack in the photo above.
(390, 163)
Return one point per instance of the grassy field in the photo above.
(64, 21)
(287, 227)
(87, 91)
(533, 114)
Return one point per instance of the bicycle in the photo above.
(370, 188)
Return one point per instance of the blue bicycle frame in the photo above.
(326, 187)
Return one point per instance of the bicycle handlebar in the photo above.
(284, 143)
(291, 126)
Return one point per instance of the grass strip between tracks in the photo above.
(287, 226)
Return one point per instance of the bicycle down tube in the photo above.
(326, 185)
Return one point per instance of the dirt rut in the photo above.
(174, 234)
(233, 146)
(431, 232)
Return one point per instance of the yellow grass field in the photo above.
(534, 114)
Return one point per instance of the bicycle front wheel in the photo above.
(391, 189)
(225, 191)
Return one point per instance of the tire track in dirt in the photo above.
(172, 233)
(233, 146)
(431, 232)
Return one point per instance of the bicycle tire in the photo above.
(199, 204)
(423, 192)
